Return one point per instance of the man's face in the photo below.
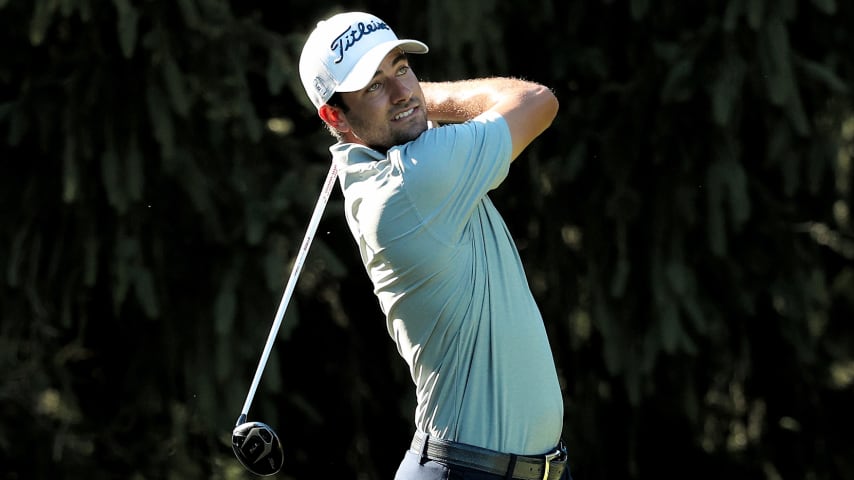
(390, 110)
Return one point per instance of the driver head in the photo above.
(258, 448)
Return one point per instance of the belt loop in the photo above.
(424, 458)
(510, 468)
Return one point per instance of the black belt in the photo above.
(523, 467)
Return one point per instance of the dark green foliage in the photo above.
(686, 225)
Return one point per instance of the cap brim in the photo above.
(368, 65)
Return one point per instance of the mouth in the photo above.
(404, 114)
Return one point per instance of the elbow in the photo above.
(551, 104)
(543, 102)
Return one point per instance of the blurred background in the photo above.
(685, 224)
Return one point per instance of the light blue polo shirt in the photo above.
(448, 277)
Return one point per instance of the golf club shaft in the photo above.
(328, 185)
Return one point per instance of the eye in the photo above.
(373, 87)
(403, 70)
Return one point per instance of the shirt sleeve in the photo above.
(449, 170)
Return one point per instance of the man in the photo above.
(444, 267)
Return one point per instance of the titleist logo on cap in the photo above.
(353, 34)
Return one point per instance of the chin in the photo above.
(420, 128)
(409, 135)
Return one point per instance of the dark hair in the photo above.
(337, 100)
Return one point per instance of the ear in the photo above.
(334, 117)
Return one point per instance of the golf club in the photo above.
(255, 444)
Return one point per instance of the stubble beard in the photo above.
(393, 136)
(415, 130)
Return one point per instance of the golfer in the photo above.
(416, 162)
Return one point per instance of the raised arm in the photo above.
(528, 107)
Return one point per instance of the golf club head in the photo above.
(258, 448)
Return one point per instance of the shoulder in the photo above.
(487, 127)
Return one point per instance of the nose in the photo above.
(400, 91)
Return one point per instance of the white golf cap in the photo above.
(343, 53)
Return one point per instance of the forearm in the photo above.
(456, 102)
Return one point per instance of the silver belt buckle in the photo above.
(549, 457)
